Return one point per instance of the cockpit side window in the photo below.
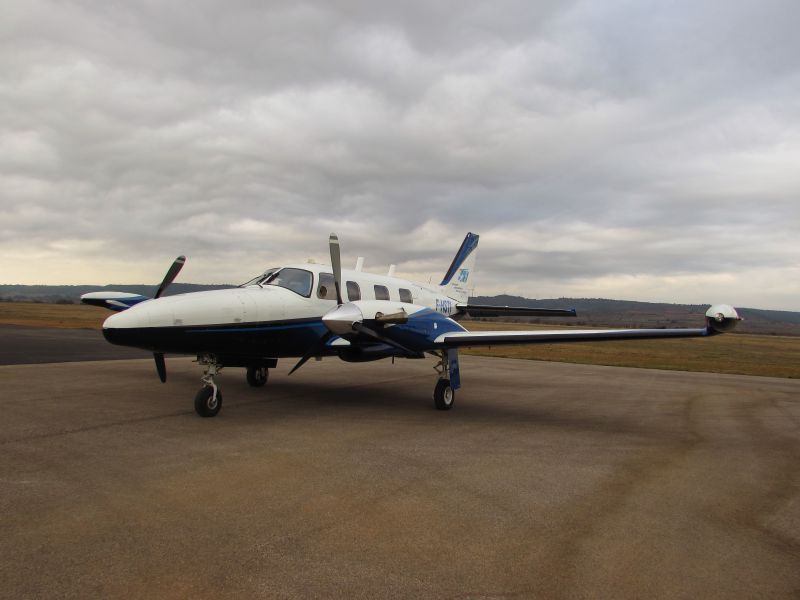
(297, 280)
(327, 286)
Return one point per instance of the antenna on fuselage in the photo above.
(360, 263)
(391, 271)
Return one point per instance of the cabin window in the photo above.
(297, 280)
(405, 296)
(381, 292)
(327, 286)
(353, 291)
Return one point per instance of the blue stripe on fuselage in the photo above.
(229, 329)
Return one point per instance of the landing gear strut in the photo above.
(208, 401)
(444, 394)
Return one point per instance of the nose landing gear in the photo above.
(208, 401)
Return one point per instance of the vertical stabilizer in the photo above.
(456, 282)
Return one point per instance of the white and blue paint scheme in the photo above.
(308, 310)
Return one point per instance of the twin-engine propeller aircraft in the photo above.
(300, 311)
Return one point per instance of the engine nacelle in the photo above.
(722, 318)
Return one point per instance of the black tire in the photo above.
(203, 404)
(443, 395)
(257, 376)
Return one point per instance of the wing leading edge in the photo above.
(719, 319)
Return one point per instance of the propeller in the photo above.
(315, 349)
(161, 366)
(361, 328)
(347, 318)
(336, 265)
(172, 273)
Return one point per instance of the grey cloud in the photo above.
(586, 141)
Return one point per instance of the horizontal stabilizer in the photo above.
(481, 310)
(116, 301)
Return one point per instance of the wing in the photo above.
(496, 338)
(116, 301)
(719, 319)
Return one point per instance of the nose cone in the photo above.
(120, 337)
(136, 316)
(340, 320)
(126, 328)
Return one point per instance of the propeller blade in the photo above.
(171, 275)
(336, 265)
(315, 349)
(161, 366)
(361, 328)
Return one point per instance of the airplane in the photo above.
(299, 311)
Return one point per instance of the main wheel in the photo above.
(443, 395)
(257, 376)
(205, 404)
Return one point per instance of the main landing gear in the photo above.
(444, 394)
(257, 375)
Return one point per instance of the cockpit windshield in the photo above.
(260, 279)
(299, 281)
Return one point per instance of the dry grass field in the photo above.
(771, 356)
(62, 316)
(741, 354)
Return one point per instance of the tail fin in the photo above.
(455, 282)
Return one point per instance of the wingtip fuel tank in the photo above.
(722, 318)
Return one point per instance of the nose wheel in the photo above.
(208, 400)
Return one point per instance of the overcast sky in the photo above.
(620, 149)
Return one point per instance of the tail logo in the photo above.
(463, 275)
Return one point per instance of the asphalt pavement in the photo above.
(546, 480)
(20, 345)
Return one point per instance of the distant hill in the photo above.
(73, 293)
(591, 311)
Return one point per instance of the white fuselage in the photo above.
(272, 303)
